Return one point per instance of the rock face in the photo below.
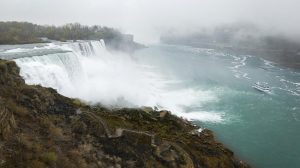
(40, 128)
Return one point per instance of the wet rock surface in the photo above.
(40, 128)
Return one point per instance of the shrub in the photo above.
(78, 103)
(49, 158)
(25, 141)
(18, 110)
(56, 132)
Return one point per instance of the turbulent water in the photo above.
(212, 88)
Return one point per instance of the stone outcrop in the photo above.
(40, 128)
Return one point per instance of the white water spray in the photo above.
(86, 70)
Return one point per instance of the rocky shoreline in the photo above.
(41, 128)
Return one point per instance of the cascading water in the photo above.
(86, 70)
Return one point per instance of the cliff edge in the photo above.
(41, 128)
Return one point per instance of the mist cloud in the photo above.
(148, 18)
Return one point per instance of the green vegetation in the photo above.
(24, 32)
(49, 157)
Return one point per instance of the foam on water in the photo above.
(268, 63)
(238, 63)
(287, 81)
(17, 50)
(205, 116)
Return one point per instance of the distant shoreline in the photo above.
(17, 33)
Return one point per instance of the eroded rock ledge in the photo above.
(40, 128)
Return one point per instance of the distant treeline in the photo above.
(24, 32)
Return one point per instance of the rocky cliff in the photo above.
(41, 128)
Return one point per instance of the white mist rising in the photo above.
(89, 72)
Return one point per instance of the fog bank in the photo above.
(147, 19)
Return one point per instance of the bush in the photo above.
(78, 103)
(18, 110)
(56, 132)
(49, 158)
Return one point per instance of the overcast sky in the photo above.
(146, 19)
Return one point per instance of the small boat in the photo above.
(262, 87)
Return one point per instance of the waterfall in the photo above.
(62, 68)
(86, 70)
(89, 48)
